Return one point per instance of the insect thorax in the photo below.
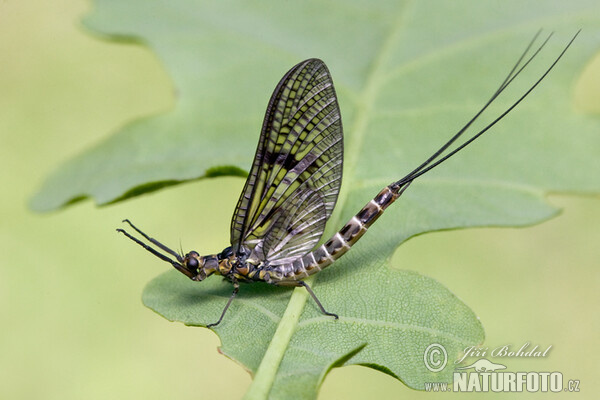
(234, 267)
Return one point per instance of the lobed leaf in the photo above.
(408, 76)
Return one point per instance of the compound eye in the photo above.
(192, 263)
(193, 254)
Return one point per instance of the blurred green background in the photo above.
(73, 325)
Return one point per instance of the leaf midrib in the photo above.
(267, 370)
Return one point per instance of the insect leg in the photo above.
(236, 288)
(163, 257)
(155, 242)
(302, 283)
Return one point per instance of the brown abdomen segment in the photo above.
(339, 244)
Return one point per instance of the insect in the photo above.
(293, 186)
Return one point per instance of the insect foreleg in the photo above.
(155, 242)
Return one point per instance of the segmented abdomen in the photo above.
(339, 244)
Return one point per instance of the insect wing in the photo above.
(299, 156)
(295, 230)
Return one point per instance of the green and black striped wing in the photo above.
(295, 179)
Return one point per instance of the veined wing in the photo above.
(299, 154)
(296, 228)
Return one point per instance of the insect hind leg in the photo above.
(312, 294)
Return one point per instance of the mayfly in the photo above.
(293, 186)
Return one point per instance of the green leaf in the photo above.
(391, 316)
(408, 76)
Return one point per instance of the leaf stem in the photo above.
(267, 371)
